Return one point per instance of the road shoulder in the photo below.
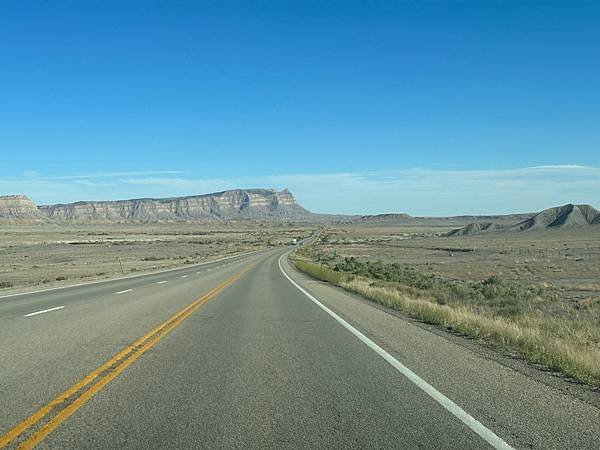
(516, 405)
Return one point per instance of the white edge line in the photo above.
(126, 290)
(108, 280)
(476, 426)
(44, 311)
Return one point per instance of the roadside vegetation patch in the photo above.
(529, 320)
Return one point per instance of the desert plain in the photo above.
(34, 255)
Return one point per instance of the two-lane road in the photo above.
(249, 353)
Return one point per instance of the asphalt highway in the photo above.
(249, 353)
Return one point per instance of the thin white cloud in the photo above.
(561, 167)
(37, 175)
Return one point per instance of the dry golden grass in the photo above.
(568, 346)
(588, 287)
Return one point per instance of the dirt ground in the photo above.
(568, 260)
(34, 255)
(532, 293)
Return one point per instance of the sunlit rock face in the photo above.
(238, 203)
(18, 207)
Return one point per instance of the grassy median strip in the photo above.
(50, 416)
(555, 343)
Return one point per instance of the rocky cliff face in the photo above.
(238, 203)
(18, 207)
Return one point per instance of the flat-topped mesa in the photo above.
(18, 207)
(231, 204)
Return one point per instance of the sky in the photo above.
(429, 108)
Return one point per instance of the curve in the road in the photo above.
(485, 433)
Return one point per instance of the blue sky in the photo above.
(357, 107)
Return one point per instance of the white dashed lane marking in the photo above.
(43, 311)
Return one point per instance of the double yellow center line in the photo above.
(63, 406)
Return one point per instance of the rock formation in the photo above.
(560, 217)
(566, 216)
(233, 204)
(19, 207)
(475, 227)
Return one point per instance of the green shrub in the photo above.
(494, 309)
(320, 272)
(502, 297)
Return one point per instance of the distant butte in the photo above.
(232, 204)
